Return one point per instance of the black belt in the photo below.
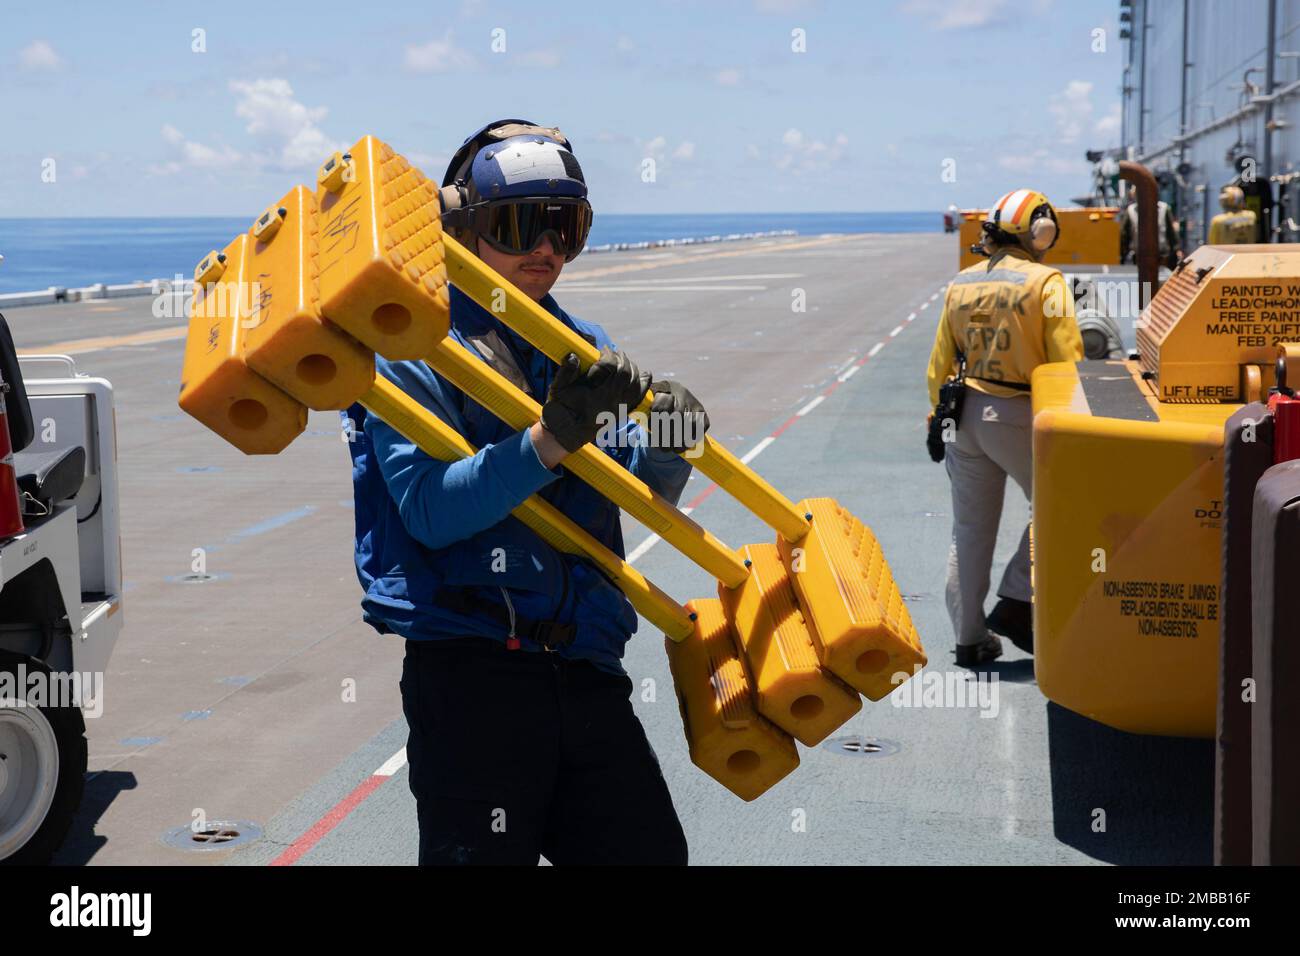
(551, 635)
(1018, 386)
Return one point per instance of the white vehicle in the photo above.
(60, 594)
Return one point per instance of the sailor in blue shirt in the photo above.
(522, 741)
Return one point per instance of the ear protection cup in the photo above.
(451, 198)
(1042, 233)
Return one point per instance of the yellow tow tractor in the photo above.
(1127, 527)
(1128, 492)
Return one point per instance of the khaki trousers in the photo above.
(994, 440)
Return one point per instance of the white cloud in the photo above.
(39, 56)
(728, 77)
(964, 15)
(658, 149)
(1042, 160)
(188, 154)
(286, 129)
(806, 154)
(439, 56)
(285, 132)
(1072, 109)
(541, 59)
(1108, 126)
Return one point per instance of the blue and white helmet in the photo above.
(526, 166)
(512, 183)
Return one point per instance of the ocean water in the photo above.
(40, 253)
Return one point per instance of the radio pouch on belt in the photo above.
(947, 414)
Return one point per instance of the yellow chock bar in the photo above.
(290, 316)
(277, 317)
(862, 629)
(287, 341)
(793, 690)
(217, 388)
(381, 269)
(491, 389)
(488, 288)
(384, 189)
(728, 738)
(439, 440)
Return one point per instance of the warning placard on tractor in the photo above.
(1255, 314)
(1222, 309)
(1165, 608)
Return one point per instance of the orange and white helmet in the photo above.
(1027, 215)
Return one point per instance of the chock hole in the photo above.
(871, 662)
(391, 318)
(743, 762)
(316, 369)
(248, 414)
(807, 707)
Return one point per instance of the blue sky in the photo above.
(138, 122)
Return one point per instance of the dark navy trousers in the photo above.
(515, 755)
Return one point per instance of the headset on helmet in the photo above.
(513, 180)
(458, 187)
(1028, 217)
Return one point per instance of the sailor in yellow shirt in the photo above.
(1006, 317)
(1235, 224)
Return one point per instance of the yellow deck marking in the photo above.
(77, 346)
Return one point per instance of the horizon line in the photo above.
(779, 212)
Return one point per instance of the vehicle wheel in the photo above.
(42, 773)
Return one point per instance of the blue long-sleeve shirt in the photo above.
(442, 502)
(438, 551)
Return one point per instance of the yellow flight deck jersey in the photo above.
(1009, 315)
(1229, 228)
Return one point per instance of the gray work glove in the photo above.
(613, 384)
(687, 424)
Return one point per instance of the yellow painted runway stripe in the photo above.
(77, 346)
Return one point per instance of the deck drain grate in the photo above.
(215, 835)
(196, 578)
(859, 745)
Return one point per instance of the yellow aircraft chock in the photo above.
(290, 315)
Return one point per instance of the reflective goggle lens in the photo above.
(517, 227)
